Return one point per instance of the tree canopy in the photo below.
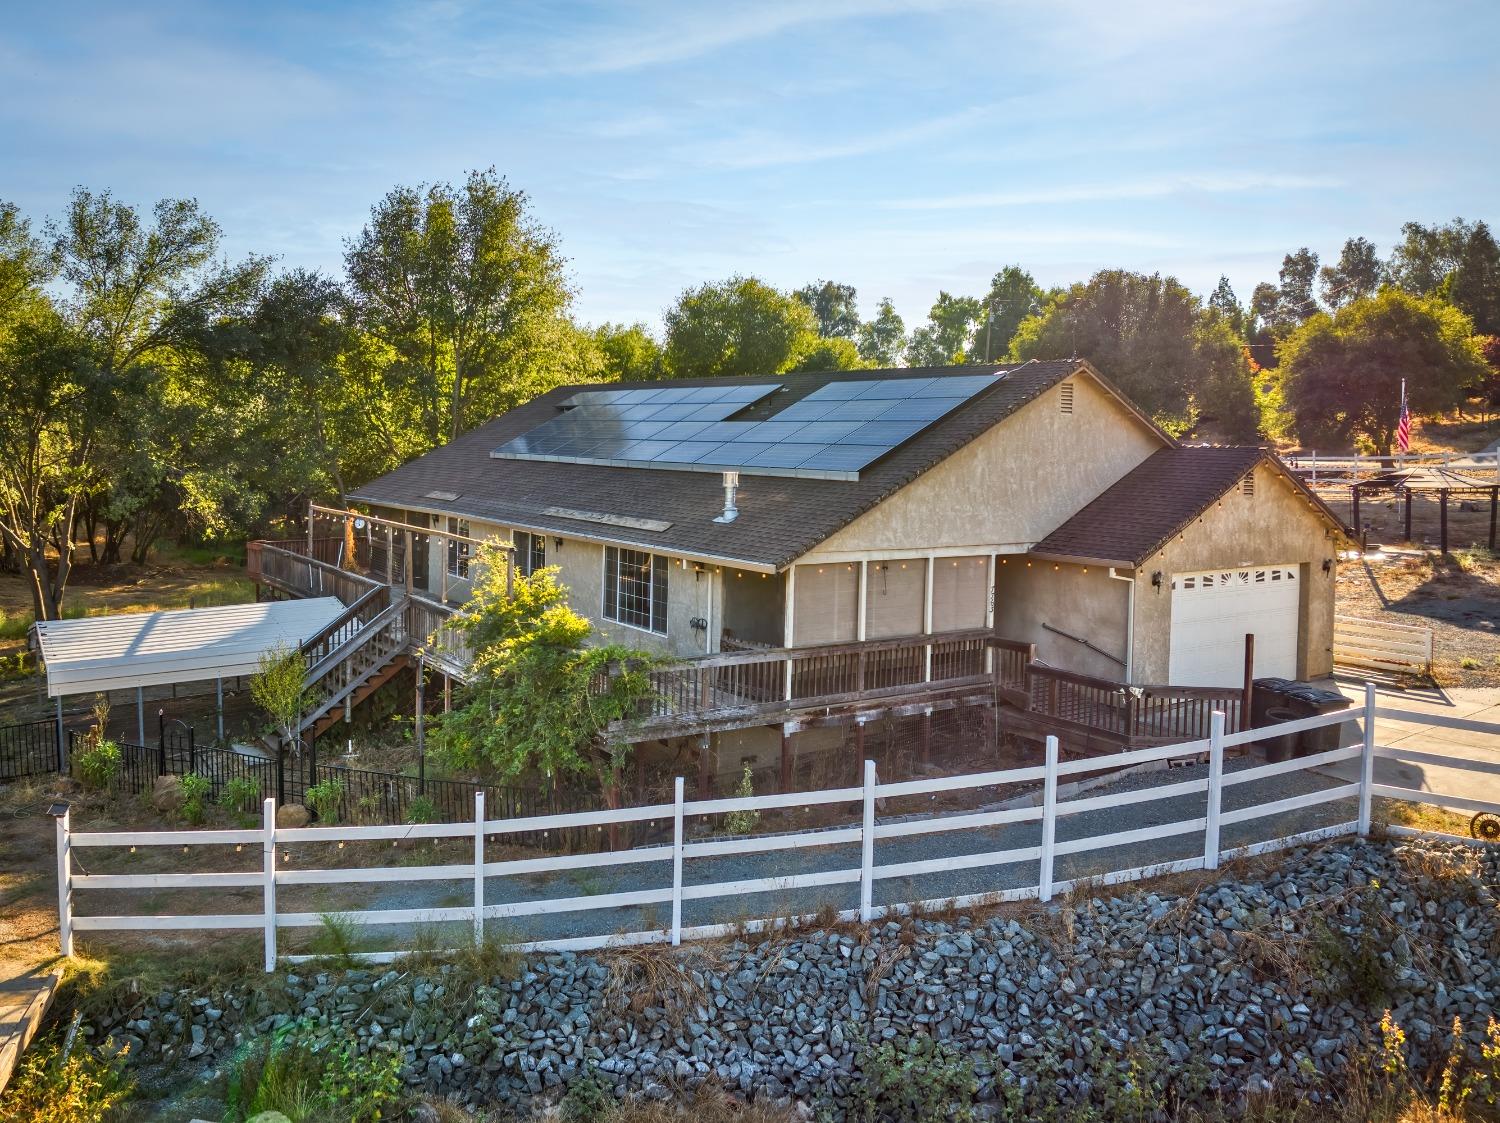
(1342, 373)
(740, 326)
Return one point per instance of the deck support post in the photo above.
(677, 862)
(867, 848)
(1215, 790)
(1049, 822)
(705, 766)
(786, 758)
(1354, 507)
(1367, 761)
(925, 739)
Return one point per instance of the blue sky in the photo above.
(902, 146)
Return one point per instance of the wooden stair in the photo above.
(350, 659)
(367, 687)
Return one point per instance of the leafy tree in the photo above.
(1488, 389)
(1224, 390)
(277, 687)
(947, 337)
(24, 267)
(830, 354)
(55, 396)
(1259, 324)
(464, 293)
(833, 306)
(882, 341)
(1358, 273)
(530, 704)
(1459, 261)
(1013, 296)
(1223, 301)
(740, 326)
(1342, 373)
(1297, 301)
(629, 353)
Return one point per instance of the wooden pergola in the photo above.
(1429, 480)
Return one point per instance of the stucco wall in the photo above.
(1011, 486)
(1089, 604)
(754, 606)
(1275, 525)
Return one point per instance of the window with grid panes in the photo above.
(635, 589)
(531, 552)
(458, 551)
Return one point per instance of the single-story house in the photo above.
(1031, 499)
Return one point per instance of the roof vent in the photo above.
(1248, 484)
(1065, 397)
(731, 485)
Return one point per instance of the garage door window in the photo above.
(1212, 613)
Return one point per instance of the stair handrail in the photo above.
(372, 627)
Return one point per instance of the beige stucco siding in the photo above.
(1012, 485)
(1274, 526)
(1084, 602)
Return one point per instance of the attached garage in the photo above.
(1213, 611)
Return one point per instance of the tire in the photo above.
(1485, 826)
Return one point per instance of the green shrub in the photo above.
(195, 790)
(309, 1078)
(241, 795)
(83, 1087)
(325, 798)
(100, 764)
(587, 1100)
(338, 938)
(919, 1080)
(743, 822)
(422, 810)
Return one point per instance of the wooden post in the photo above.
(447, 693)
(867, 848)
(1494, 506)
(268, 879)
(390, 555)
(1249, 695)
(1049, 822)
(1354, 507)
(705, 766)
(1407, 490)
(677, 862)
(786, 759)
(419, 732)
(406, 541)
(1367, 760)
(1215, 790)
(925, 740)
(1443, 523)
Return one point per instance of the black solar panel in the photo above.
(833, 432)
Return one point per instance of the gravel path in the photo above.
(1101, 821)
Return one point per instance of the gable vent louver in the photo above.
(1065, 398)
(1247, 485)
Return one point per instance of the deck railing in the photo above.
(1137, 714)
(289, 567)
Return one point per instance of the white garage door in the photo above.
(1212, 612)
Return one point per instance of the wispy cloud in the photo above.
(1121, 191)
(763, 149)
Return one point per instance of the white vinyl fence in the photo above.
(867, 835)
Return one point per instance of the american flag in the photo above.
(1403, 427)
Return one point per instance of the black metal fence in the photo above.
(29, 749)
(365, 797)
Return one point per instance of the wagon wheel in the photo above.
(1485, 826)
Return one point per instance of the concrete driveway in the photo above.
(1470, 704)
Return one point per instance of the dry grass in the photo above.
(657, 976)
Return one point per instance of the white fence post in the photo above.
(64, 884)
(1367, 760)
(268, 884)
(479, 868)
(1215, 790)
(1049, 822)
(677, 864)
(867, 849)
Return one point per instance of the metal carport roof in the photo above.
(129, 650)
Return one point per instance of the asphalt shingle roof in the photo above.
(1132, 519)
(781, 518)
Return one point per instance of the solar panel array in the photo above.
(832, 433)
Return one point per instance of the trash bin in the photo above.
(1299, 700)
(1282, 745)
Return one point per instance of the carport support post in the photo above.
(1367, 760)
(219, 704)
(1049, 821)
(62, 740)
(1215, 790)
(140, 715)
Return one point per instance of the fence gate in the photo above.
(30, 749)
